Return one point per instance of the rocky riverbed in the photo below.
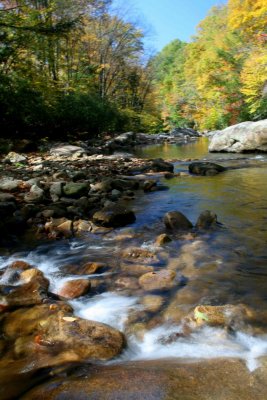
(145, 286)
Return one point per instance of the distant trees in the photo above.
(68, 66)
(220, 78)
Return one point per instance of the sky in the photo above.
(167, 20)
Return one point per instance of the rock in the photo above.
(59, 227)
(159, 280)
(126, 282)
(228, 315)
(66, 150)
(14, 158)
(206, 220)
(211, 379)
(34, 274)
(114, 216)
(10, 184)
(136, 270)
(20, 265)
(205, 168)
(102, 186)
(149, 185)
(175, 220)
(137, 254)
(7, 197)
(152, 303)
(82, 226)
(163, 239)
(159, 165)
(31, 293)
(185, 132)
(124, 184)
(85, 269)
(35, 195)
(56, 190)
(243, 137)
(75, 190)
(75, 288)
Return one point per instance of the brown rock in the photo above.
(219, 379)
(20, 265)
(31, 293)
(85, 269)
(75, 288)
(163, 239)
(152, 303)
(136, 269)
(114, 216)
(175, 220)
(141, 255)
(127, 283)
(164, 279)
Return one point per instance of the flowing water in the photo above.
(227, 265)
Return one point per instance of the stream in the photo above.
(227, 265)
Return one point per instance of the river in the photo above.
(227, 265)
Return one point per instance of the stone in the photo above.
(66, 150)
(158, 280)
(75, 190)
(75, 288)
(59, 227)
(124, 184)
(27, 294)
(162, 239)
(10, 184)
(206, 220)
(205, 168)
(7, 197)
(14, 158)
(136, 269)
(126, 282)
(175, 220)
(114, 216)
(102, 186)
(137, 254)
(231, 316)
(159, 165)
(152, 303)
(88, 268)
(56, 190)
(35, 195)
(20, 265)
(244, 137)
(211, 379)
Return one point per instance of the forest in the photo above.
(73, 68)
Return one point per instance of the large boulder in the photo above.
(215, 379)
(205, 168)
(66, 150)
(247, 136)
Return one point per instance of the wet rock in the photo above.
(149, 185)
(7, 197)
(124, 184)
(75, 190)
(159, 165)
(75, 288)
(31, 293)
(158, 280)
(85, 269)
(246, 136)
(82, 226)
(114, 216)
(206, 220)
(152, 303)
(102, 186)
(20, 265)
(175, 220)
(34, 274)
(136, 270)
(35, 195)
(220, 379)
(58, 227)
(126, 282)
(137, 254)
(14, 157)
(163, 239)
(228, 315)
(205, 168)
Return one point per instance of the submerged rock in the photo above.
(175, 220)
(205, 168)
(158, 280)
(246, 136)
(206, 220)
